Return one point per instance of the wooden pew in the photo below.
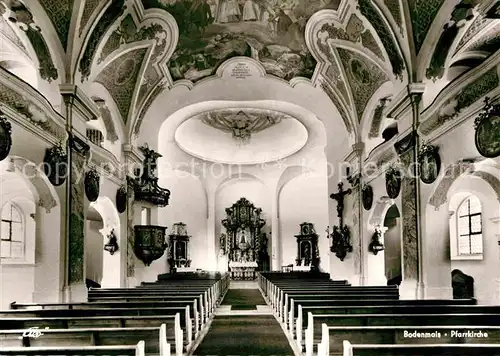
(155, 338)
(282, 304)
(172, 322)
(333, 336)
(125, 350)
(206, 305)
(315, 322)
(419, 350)
(96, 309)
(197, 309)
(299, 309)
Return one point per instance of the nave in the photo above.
(293, 313)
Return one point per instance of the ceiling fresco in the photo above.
(271, 31)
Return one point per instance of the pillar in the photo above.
(79, 109)
(276, 257)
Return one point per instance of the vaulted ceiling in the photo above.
(137, 49)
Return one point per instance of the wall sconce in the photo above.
(376, 246)
(112, 245)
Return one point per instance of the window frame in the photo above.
(11, 222)
(470, 233)
(455, 236)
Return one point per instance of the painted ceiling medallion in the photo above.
(240, 123)
(241, 135)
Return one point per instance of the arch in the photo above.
(42, 190)
(483, 169)
(289, 174)
(379, 211)
(237, 176)
(104, 208)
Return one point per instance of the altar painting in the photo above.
(270, 31)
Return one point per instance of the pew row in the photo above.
(419, 350)
(298, 312)
(333, 336)
(155, 338)
(315, 323)
(124, 350)
(190, 317)
(172, 324)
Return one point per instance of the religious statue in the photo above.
(243, 239)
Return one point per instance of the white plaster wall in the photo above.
(392, 252)
(188, 204)
(454, 145)
(13, 288)
(303, 199)
(93, 250)
(485, 272)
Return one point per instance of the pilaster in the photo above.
(79, 109)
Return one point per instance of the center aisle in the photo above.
(244, 335)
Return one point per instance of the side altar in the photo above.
(244, 243)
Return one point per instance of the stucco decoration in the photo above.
(355, 237)
(130, 228)
(364, 77)
(76, 233)
(451, 173)
(379, 210)
(147, 104)
(30, 110)
(9, 33)
(395, 9)
(468, 95)
(156, 29)
(120, 77)
(25, 21)
(409, 220)
(333, 97)
(88, 11)
(378, 115)
(489, 43)
(354, 32)
(422, 13)
(492, 180)
(385, 34)
(112, 13)
(475, 28)
(46, 199)
(106, 117)
(241, 123)
(60, 13)
(241, 135)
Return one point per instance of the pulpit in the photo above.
(307, 248)
(244, 243)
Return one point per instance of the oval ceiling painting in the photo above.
(241, 136)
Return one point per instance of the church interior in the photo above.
(250, 177)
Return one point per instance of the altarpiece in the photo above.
(244, 243)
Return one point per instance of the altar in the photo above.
(244, 243)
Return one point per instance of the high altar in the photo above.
(244, 243)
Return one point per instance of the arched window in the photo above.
(12, 233)
(469, 227)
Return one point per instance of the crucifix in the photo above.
(339, 197)
(340, 234)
